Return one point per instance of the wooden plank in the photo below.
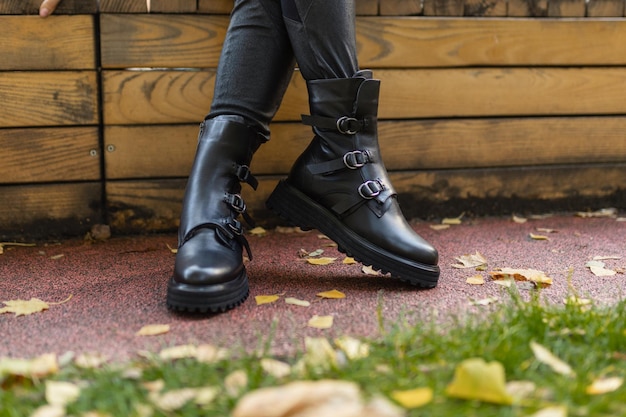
(527, 8)
(123, 6)
(32, 7)
(173, 6)
(215, 6)
(63, 43)
(161, 40)
(168, 151)
(196, 41)
(49, 154)
(605, 8)
(443, 7)
(485, 8)
(367, 7)
(401, 7)
(567, 8)
(48, 98)
(154, 205)
(405, 94)
(45, 211)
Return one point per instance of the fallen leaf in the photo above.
(315, 253)
(266, 299)
(287, 230)
(353, 348)
(541, 216)
(297, 302)
(546, 230)
(604, 385)
(178, 352)
(172, 400)
(275, 368)
(321, 261)
(484, 301)
(90, 360)
(538, 237)
(439, 227)
(520, 390)
(49, 411)
(538, 278)
(552, 411)
(37, 367)
(576, 301)
(475, 280)
(153, 330)
(504, 282)
(413, 398)
(258, 231)
(605, 212)
(519, 220)
(61, 392)
(4, 244)
(606, 258)
(453, 220)
(172, 250)
(207, 353)
(319, 353)
(333, 294)
(474, 379)
(470, 261)
(599, 270)
(235, 382)
(543, 355)
(348, 260)
(321, 322)
(369, 270)
(23, 307)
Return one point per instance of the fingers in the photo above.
(47, 7)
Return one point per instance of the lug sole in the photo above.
(207, 298)
(300, 210)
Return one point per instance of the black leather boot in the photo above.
(340, 186)
(209, 275)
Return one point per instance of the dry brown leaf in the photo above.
(470, 261)
(537, 277)
(543, 355)
(604, 385)
(321, 261)
(332, 294)
(321, 322)
(153, 330)
(475, 280)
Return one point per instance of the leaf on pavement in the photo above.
(27, 307)
(538, 237)
(266, 299)
(413, 398)
(453, 220)
(605, 385)
(153, 330)
(598, 269)
(538, 278)
(61, 392)
(519, 220)
(543, 355)
(470, 261)
(297, 302)
(474, 379)
(38, 367)
(484, 301)
(369, 270)
(321, 261)
(475, 280)
(321, 322)
(348, 260)
(439, 227)
(258, 231)
(605, 212)
(334, 294)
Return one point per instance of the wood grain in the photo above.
(567, 8)
(32, 7)
(123, 6)
(49, 154)
(605, 8)
(48, 98)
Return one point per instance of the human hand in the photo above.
(47, 7)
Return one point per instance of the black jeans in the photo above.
(264, 41)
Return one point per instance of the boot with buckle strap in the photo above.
(209, 274)
(340, 186)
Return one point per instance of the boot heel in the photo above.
(287, 206)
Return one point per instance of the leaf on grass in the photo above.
(90, 360)
(266, 299)
(604, 385)
(474, 379)
(37, 367)
(599, 270)
(413, 398)
(504, 282)
(538, 237)
(353, 348)
(153, 330)
(538, 278)
(319, 353)
(573, 300)
(207, 353)
(543, 355)
(519, 220)
(61, 392)
(348, 260)
(470, 261)
(333, 294)
(369, 270)
(275, 368)
(313, 398)
(605, 212)
(439, 227)
(173, 400)
(321, 261)
(475, 280)
(520, 390)
(235, 382)
(297, 302)
(178, 352)
(49, 411)
(551, 411)
(321, 322)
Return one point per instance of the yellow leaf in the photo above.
(353, 348)
(605, 212)
(23, 307)
(598, 269)
(153, 330)
(519, 220)
(470, 261)
(37, 367)
(207, 353)
(348, 260)
(546, 230)
(178, 352)
(296, 302)
(172, 400)
(538, 237)
(275, 368)
(319, 353)
(439, 227)
(539, 278)
(258, 231)
(604, 385)
(172, 250)
(474, 379)
(61, 393)
(235, 382)
(475, 280)
(335, 294)
(265, 299)
(321, 322)
(49, 411)
(369, 270)
(546, 357)
(453, 221)
(321, 261)
(552, 411)
(413, 398)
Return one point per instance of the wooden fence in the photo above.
(486, 105)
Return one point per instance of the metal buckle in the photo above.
(345, 120)
(236, 227)
(243, 172)
(370, 189)
(236, 202)
(352, 161)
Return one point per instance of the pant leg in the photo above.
(256, 64)
(323, 37)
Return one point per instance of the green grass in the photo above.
(414, 352)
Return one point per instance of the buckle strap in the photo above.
(350, 160)
(226, 230)
(371, 189)
(244, 174)
(235, 201)
(344, 124)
